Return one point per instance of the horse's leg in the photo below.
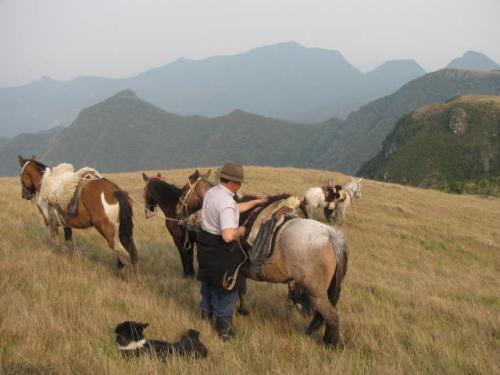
(54, 237)
(329, 313)
(316, 323)
(68, 239)
(242, 310)
(109, 231)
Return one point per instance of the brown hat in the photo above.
(232, 171)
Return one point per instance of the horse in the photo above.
(308, 253)
(100, 204)
(157, 192)
(314, 197)
(353, 191)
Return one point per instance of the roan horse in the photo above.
(101, 204)
(307, 252)
(158, 192)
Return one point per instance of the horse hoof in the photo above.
(243, 311)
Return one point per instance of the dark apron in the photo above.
(217, 258)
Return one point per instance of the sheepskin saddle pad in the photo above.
(59, 184)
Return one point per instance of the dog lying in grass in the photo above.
(131, 341)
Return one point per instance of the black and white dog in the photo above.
(131, 341)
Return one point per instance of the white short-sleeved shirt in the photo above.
(219, 210)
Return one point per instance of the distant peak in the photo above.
(127, 93)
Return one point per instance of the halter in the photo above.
(145, 192)
(185, 200)
(28, 193)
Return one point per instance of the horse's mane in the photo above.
(249, 217)
(38, 165)
(165, 190)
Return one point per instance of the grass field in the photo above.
(421, 295)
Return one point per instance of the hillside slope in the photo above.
(453, 141)
(421, 294)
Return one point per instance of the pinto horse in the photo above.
(101, 204)
(308, 253)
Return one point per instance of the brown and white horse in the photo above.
(309, 253)
(101, 204)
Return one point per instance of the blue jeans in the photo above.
(219, 304)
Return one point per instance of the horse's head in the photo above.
(31, 173)
(357, 191)
(192, 193)
(149, 200)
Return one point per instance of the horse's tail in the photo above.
(126, 224)
(341, 258)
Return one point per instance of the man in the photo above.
(219, 251)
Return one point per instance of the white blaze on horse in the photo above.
(81, 199)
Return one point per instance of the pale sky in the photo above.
(64, 39)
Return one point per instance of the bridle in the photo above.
(149, 212)
(184, 201)
(29, 194)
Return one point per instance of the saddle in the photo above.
(264, 244)
(261, 240)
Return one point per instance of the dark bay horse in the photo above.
(308, 253)
(101, 204)
(158, 192)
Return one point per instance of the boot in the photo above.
(224, 329)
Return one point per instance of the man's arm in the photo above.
(245, 206)
(231, 234)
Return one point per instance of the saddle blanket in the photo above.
(59, 184)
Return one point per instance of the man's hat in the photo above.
(232, 171)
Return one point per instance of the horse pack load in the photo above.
(61, 185)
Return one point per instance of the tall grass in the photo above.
(421, 294)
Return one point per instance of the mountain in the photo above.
(473, 60)
(125, 133)
(360, 137)
(285, 80)
(391, 75)
(25, 144)
(442, 143)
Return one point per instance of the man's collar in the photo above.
(226, 189)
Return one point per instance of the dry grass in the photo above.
(421, 294)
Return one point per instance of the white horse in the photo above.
(353, 191)
(315, 198)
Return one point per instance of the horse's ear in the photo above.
(145, 177)
(353, 180)
(21, 160)
(144, 325)
(208, 173)
(158, 175)
(33, 157)
(361, 179)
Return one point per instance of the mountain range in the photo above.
(285, 80)
(125, 133)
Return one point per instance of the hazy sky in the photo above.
(119, 38)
